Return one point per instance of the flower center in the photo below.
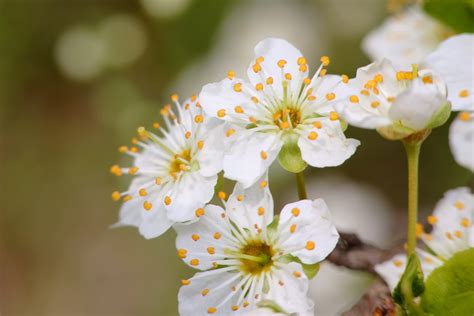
(257, 257)
(288, 117)
(180, 162)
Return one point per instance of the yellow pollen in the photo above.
(458, 234)
(240, 197)
(211, 310)
(182, 253)
(255, 99)
(260, 59)
(465, 223)
(261, 211)
(284, 125)
(256, 67)
(400, 75)
(229, 132)
(185, 282)
(297, 274)
(142, 192)
(238, 109)
(123, 149)
(158, 181)
(195, 237)
(419, 230)
(378, 78)
(245, 304)
(354, 99)
(325, 60)
(375, 104)
(281, 63)
(263, 155)
(167, 200)
(194, 262)
(198, 118)
(174, 98)
(345, 78)
(464, 116)
(463, 93)
(303, 68)
(204, 292)
(408, 75)
(312, 136)
(330, 96)
(253, 119)
(306, 81)
(115, 169)
(288, 76)
(156, 125)
(323, 72)
(432, 220)
(449, 236)
(269, 81)
(397, 263)
(459, 205)
(295, 211)
(230, 74)
(318, 124)
(132, 170)
(310, 245)
(222, 195)
(263, 184)
(211, 250)
(292, 228)
(391, 99)
(127, 198)
(301, 61)
(193, 98)
(199, 212)
(311, 98)
(427, 79)
(333, 116)
(134, 141)
(217, 236)
(235, 308)
(134, 149)
(259, 87)
(221, 113)
(147, 205)
(116, 195)
(187, 134)
(200, 144)
(238, 87)
(364, 92)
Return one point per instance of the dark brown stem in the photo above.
(377, 301)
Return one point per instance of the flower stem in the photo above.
(413, 154)
(301, 185)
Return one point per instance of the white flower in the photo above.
(279, 105)
(461, 139)
(454, 61)
(405, 38)
(175, 173)
(396, 102)
(247, 260)
(453, 231)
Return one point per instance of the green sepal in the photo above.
(450, 288)
(290, 157)
(310, 270)
(410, 286)
(441, 116)
(271, 305)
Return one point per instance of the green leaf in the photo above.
(458, 14)
(450, 288)
(411, 285)
(290, 157)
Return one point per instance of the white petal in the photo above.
(190, 192)
(244, 206)
(219, 283)
(314, 236)
(416, 106)
(461, 140)
(273, 50)
(290, 291)
(244, 162)
(155, 225)
(211, 155)
(330, 148)
(454, 60)
(322, 86)
(197, 237)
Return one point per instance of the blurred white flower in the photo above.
(461, 140)
(80, 53)
(453, 231)
(165, 8)
(396, 103)
(453, 59)
(124, 39)
(405, 38)
(279, 106)
(175, 173)
(249, 259)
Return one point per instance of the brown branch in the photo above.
(377, 301)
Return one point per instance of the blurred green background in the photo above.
(78, 77)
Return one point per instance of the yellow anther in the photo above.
(458, 234)
(408, 75)
(238, 87)
(116, 170)
(134, 141)
(297, 274)
(200, 144)
(217, 235)
(464, 116)
(330, 96)
(127, 198)
(303, 68)
(235, 308)
(204, 292)
(400, 75)
(211, 310)
(256, 67)
(185, 282)
(195, 237)
(158, 181)
(419, 230)
(221, 113)
(187, 134)
(378, 78)
(284, 125)
(463, 93)
(194, 262)
(123, 149)
(397, 263)
(281, 63)
(182, 253)
(134, 149)
(245, 304)
(200, 212)
(309, 91)
(253, 119)
(432, 219)
(364, 92)
(156, 125)
(370, 84)
(263, 184)
(427, 79)
(238, 109)
(318, 124)
(167, 200)
(260, 59)
(325, 60)
(375, 104)
(269, 81)
(391, 99)
(142, 192)
(147, 205)
(116, 195)
(193, 98)
(313, 136)
(222, 195)
(306, 81)
(345, 78)
(174, 98)
(240, 197)
(261, 211)
(295, 211)
(211, 250)
(186, 106)
(333, 116)
(301, 61)
(255, 99)
(230, 74)
(259, 87)
(465, 222)
(310, 245)
(459, 205)
(354, 99)
(263, 155)
(292, 228)
(311, 98)
(449, 236)
(229, 132)
(132, 170)
(288, 76)
(323, 72)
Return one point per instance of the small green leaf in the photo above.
(290, 157)
(458, 14)
(411, 285)
(450, 288)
